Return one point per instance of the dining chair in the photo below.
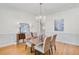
(28, 38)
(29, 41)
(53, 43)
(43, 47)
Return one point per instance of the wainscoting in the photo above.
(7, 39)
(69, 38)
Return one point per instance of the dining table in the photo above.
(35, 41)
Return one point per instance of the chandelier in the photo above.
(41, 17)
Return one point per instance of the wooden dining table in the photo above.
(35, 41)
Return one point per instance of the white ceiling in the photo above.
(34, 8)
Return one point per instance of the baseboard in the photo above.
(4, 45)
(70, 43)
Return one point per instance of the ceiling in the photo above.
(34, 8)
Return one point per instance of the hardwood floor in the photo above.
(62, 49)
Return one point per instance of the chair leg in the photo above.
(51, 50)
(36, 52)
(25, 47)
(31, 49)
(55, 47)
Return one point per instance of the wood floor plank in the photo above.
(62, 49)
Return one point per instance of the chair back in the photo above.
(46, 45)
(53, 39)
(31, 34)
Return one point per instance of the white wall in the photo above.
(71, 29)
(8, 24)
(10, 17)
